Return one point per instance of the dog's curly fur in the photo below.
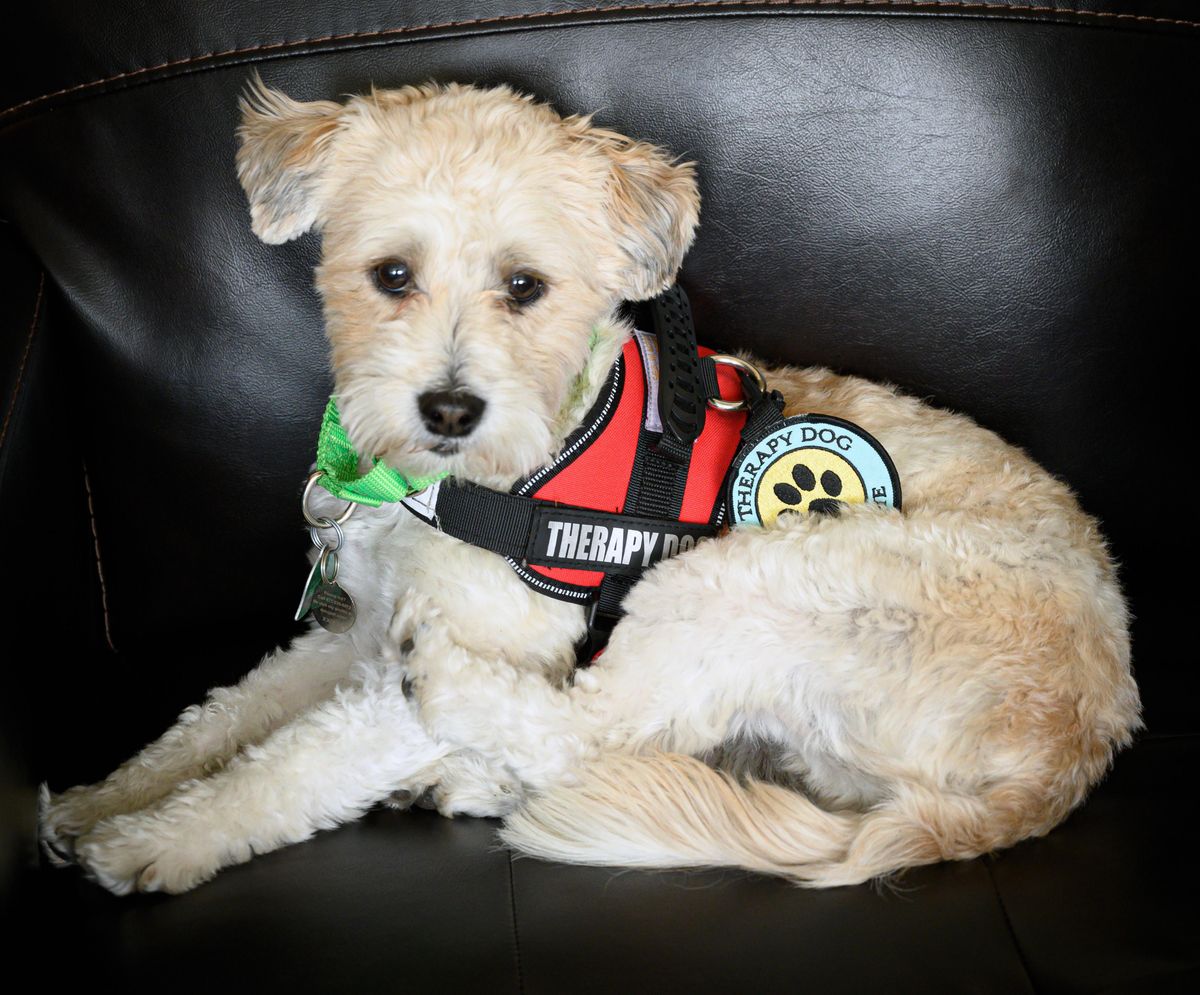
(829, 699)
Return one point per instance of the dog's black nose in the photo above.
(450, 412)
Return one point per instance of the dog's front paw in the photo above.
(476, 800)
(63, 818)
(405, 798)
(470, 786)
(128, 853)
(56, 842)
(413, 613)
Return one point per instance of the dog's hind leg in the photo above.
(955, 691)
(203, 739)
(325, 767)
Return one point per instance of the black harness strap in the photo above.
(681, 397)
(554, 535)
(661, 462)
(483, 517)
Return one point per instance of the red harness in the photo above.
(615, 501)
(597, 469)
(641, 479)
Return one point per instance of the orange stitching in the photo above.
(87, 486)
(965, 5)
(12, 404)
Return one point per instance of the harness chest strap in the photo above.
(531, 531)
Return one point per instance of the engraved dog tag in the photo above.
(333, 608)
(323, 597)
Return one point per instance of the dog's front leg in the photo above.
(326, 767)
(203, 739)
(513, 718)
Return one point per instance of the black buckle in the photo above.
(599, 628)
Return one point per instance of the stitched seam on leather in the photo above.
(87, 486)
(12, 403)
(512, 902)
(962, 6)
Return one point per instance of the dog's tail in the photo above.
(669, 810)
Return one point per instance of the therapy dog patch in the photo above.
(809, 463)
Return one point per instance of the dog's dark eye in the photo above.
(524, 288)
(392, 276)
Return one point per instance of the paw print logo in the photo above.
(805, 480)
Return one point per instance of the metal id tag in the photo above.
(333, 608)
(326, 600)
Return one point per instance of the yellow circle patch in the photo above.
(808, 464)
(803, 476)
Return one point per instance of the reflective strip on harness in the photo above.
(624, 544)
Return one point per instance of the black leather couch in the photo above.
(991, 204)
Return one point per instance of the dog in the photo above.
(829, 698)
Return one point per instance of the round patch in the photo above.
(809, 463)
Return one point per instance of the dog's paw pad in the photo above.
(402, 800)
(148, 879)
(407, 685)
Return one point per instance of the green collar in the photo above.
(338, 463)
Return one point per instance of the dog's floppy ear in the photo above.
(285, 146)
(654, 205)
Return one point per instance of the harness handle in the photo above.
(680, 386)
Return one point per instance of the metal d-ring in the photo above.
(739, 364)
(321, 522)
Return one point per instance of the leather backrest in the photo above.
(990, 207)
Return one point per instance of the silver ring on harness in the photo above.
(752, 371)
(321, 522)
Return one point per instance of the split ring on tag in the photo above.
(319, 540)
(328, 562)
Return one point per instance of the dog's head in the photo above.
(475, 247)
